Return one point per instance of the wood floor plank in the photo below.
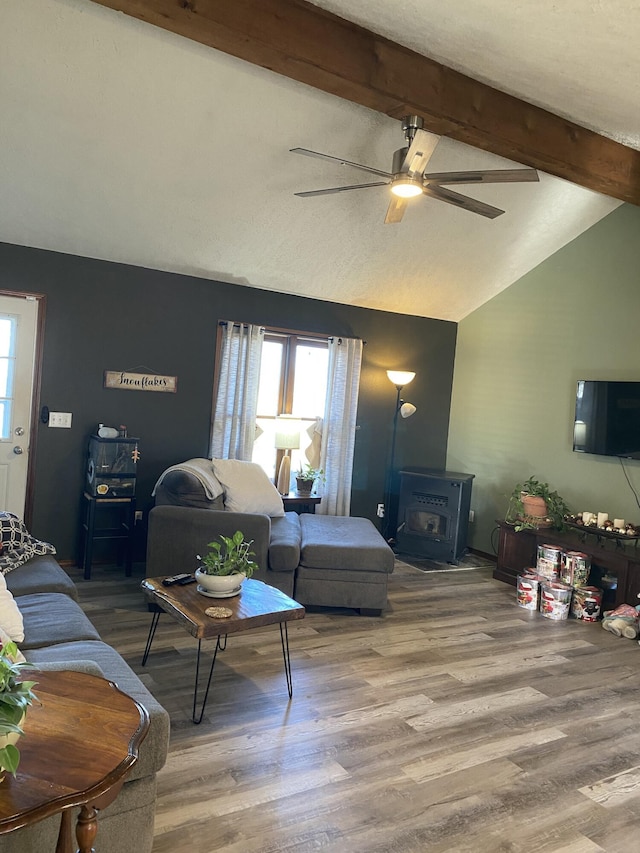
(616, 789)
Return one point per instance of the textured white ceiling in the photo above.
(123, 142)
(576, 58)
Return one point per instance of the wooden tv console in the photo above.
(519, 551)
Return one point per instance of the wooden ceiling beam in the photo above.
(312, 46)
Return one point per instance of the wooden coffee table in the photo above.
(81, 740)
(257, 605)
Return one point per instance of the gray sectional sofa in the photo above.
(320, 560)
(58, 635)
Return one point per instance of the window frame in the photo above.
(287, 377)
(291, 340)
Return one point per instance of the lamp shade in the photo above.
(400, 377)
(406, 410)
(287, 435)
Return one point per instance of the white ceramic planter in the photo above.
(222, 586)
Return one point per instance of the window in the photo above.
(303, 375)
(7, 370)
(293, 380)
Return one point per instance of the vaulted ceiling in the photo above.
(160, 137)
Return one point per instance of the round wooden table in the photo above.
(81, 740)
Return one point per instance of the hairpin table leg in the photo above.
(284, 637)
(152, 630)
(221, 645)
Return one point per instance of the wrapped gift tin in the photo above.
(528, 590)
(576, 568)
(586, 603)
(549, 561)
(555, 599)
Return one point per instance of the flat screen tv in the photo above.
(607, 420)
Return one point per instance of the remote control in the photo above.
(181, 578)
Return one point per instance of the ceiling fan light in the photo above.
(406, 187)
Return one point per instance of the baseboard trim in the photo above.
(491, 557)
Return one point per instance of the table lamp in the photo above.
(287, 438)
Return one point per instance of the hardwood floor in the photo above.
(457, 722)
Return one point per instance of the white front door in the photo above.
(18, 327)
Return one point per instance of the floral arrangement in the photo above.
(15, 698)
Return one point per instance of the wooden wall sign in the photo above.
(126, 381)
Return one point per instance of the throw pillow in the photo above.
(10, 616)
(18, 545)
(247, 488)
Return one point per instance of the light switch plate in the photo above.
(60, 419)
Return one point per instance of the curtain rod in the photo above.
(298, 334)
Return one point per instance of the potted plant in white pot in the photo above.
(225, 566)
(15, 698)
(533, 505)
(306, 477)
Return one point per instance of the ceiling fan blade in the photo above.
(396, 209)
(493, 176)
(422, 147)
(341, 189)
(370, 169)
(463, 201)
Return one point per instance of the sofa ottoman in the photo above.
(344, 562)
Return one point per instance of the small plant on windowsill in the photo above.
(306, 477)
(15, 698)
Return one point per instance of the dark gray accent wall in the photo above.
(105, 316)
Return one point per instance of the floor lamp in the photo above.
(287, 438)
(400, 378)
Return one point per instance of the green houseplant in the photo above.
(533, 504)
(15, 697)
(306, 477)
(226, 565)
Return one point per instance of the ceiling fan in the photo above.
(408, 177)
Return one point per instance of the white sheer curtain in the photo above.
(234, 422)
(339, 425)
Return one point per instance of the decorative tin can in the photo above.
(549, 561)
(528, 590)
(555, 599)
(575, 569)
(586, 603)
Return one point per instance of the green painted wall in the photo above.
(518, 359)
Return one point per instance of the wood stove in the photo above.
(433, 513)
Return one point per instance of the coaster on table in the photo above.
(218, 612)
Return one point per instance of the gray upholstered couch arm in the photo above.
(177, 534)
(284, 545)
